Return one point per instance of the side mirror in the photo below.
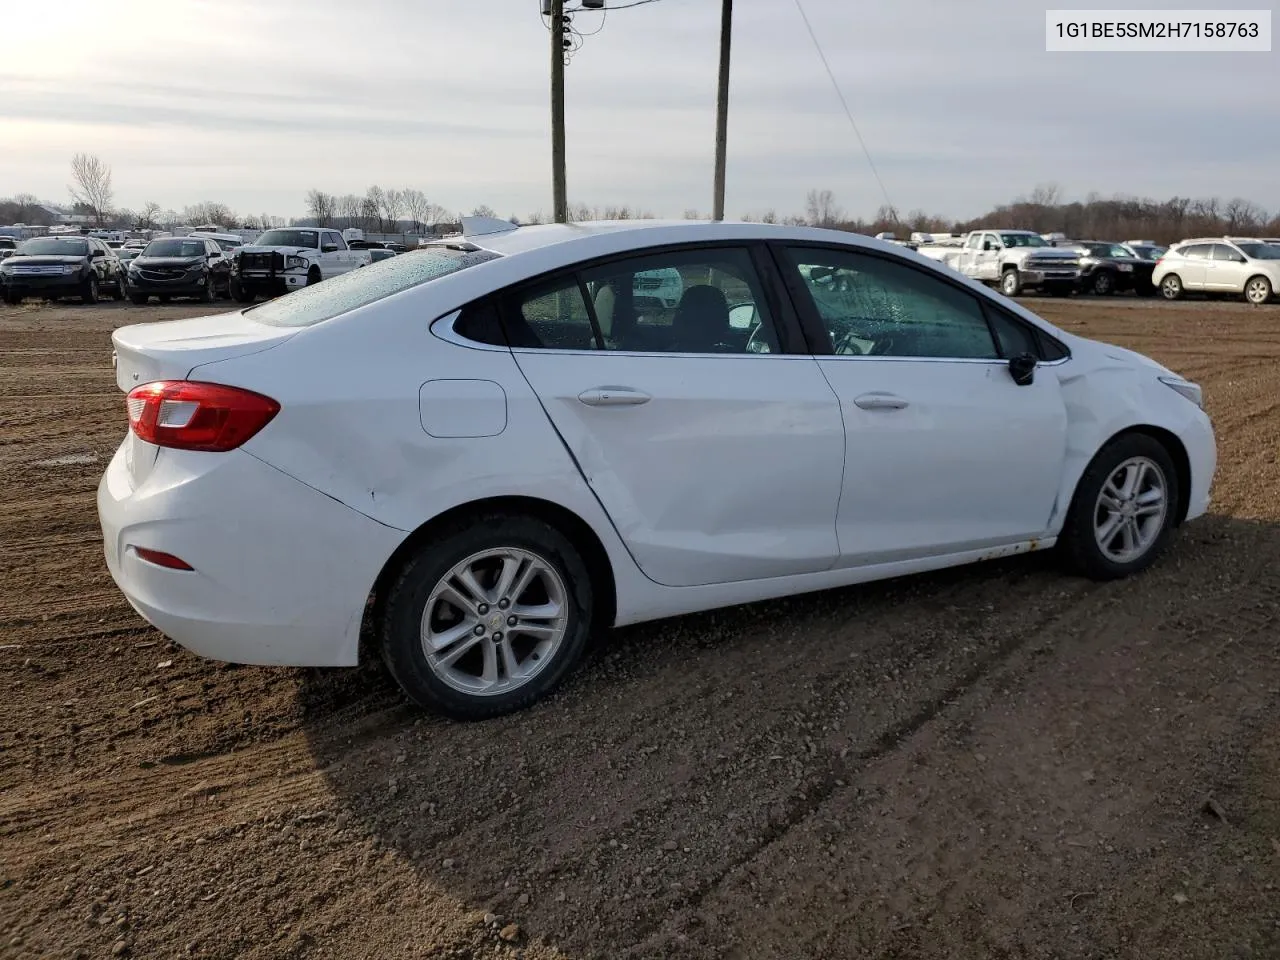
(329, 248)
(212, 254)
(1023, 369)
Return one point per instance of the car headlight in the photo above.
(70, 268)
(1188, 389)
(295, 263)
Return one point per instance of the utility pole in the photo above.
(559, 190)
(722, 108)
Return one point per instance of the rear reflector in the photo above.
(162, 559)
(190, 415)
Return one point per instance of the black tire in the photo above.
(1258, 290)
(119, 293)
(89, 292)
(1171, 287)
(12, 298)
(1010, 282)
(207, 293)
(1104, 283)
(402, 613)
(313, 276)
(138, 299)
(240, 293)
(1078, 540)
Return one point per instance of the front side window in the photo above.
(693, 301)
(872, 306)
(1023, 240)
(1223, 252)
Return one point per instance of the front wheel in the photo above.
(1104, 284)
(1258, 290)
(1010, 283)
(12, 298)
(207, 294)
(487, 617)
(1124, 509)
(240, 293)
(89, 292)
(119, 293)
(1171, 287)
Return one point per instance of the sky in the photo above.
(253, 102)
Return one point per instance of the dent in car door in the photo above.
(713, 467)
(945, 453)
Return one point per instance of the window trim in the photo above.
(791, 340)
(819, 337)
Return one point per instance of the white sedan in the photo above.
(493, 448)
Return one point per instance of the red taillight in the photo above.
(197, 416)
(162, 559)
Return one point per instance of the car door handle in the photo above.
(879, 401)
(613, 397)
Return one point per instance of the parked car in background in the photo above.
(288, 259)
(1225, 265)
(125, 254)
(227, 242)
(7, 246)
(1014, 260)
(192, 266)
(1145, 250)
(583, 470)
(394, 245)
(53, 267)
(1107, 268)
(381, 254)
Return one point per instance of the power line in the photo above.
(847, 112)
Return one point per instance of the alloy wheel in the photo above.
(1130, 510)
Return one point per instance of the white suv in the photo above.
(1236, 265)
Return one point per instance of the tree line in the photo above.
(395, 210)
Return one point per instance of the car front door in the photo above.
(989, 254)
(716, 450)
(945, 452)
(1226, 270)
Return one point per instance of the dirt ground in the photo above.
(996, 762)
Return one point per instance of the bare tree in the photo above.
(536, 217)
(438, 214)
(692, 213)
(821, 209)
(416, 205)
(392, 207)
(1242, 216)
(148, 216)
(92, 185)
(320, 206)
(373, 205)
(25, 205)
(1046, 195)
(484, 210)
(208, 212)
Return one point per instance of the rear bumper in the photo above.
(281, 572)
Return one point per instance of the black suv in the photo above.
(1107, 267)
(53, 267)
(180, 267)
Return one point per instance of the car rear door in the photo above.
(1192, 266)
(945, 452)
(716, 451)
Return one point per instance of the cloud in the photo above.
(959, 104)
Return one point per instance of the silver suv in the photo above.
(1240, 265)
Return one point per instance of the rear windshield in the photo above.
(175, 248)
(358, 288)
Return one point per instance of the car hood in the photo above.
(1103, 352)
(1045, 253)
(167, 261)
(42, 261)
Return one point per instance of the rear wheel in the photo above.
(1124, 509)
(1257, 290)
(487, 617)
(1171, 287)
(89, 292)
(1104, 284)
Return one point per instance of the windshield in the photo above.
(1260, 251)
(54, 247)
(358, 288)
(1023, 240)
(174, 247)
(289, 238)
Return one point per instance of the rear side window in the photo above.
(358, 288)
(553, 317)
(1197, 251)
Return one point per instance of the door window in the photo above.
(1197, 251)
(692, 301)
(872, 306)
(1223, 252)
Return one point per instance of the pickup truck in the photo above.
(1016, 260)
(285, 259)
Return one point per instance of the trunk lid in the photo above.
(170, 350)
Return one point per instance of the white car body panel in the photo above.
(289, 533)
